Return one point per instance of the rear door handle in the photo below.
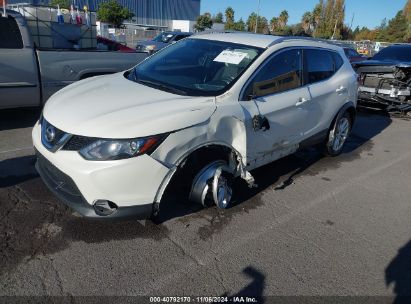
(341, 90)
(301, 100)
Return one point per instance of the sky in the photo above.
(367, 13)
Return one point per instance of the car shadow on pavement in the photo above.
(18, 118)
(398, 272)
(279, 174)
(17, 170)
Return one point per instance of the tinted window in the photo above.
(338, 61)
(10, 37)
(401, 53)
(354, 53)
(164, 37)
(281, 73)
(319, 65)
(196, 67)
(179, 37)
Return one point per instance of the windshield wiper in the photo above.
(161, 86)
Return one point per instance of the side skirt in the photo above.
(315, 139)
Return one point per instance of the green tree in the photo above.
(298, 30)
(240, 25)
(251, 22)
(283, 18)
(397, 28)
(274, 25)
(338, 18)
(407, 14)
(262, 24)
(328, 18)
(229, 19)
(114, 13)
(356, 31)
(382, 30)
(203, 21)
(62, 3)
(218, 18)
(307, 22)
(317, 14)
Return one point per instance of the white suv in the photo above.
(205, 110)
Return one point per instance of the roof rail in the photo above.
(287, 38)
(220, 32)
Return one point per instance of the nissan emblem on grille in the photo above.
(50, 133)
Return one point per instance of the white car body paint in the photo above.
(114, 107)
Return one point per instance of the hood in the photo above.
(158, 45)
(112, 106)
(372, 62)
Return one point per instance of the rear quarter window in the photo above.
(320, 65)
(338, 61)
(10, 36)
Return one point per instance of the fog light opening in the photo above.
(104, 207)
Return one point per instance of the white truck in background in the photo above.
(30, 75)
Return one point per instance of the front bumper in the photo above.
(131, 184)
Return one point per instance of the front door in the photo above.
(278, 108)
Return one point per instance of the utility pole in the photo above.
(258, 15)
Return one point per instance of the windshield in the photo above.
(196, 67)
(163, 37)
(400, 53)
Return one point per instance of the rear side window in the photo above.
(338, 61)
(319, 65)
(10, 37)
(281, 73)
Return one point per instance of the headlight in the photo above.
(113, 149)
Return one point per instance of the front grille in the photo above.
(58, 138)
(76, 143)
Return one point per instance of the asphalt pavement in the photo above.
(314, 226)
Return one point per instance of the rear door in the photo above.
(278, 105)
(19, 84)
(327, 85)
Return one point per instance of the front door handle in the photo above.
(341, 90)
(301, 100)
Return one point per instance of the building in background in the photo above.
(147, 13)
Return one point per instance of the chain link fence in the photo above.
(130, 36)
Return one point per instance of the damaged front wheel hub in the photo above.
(213, 184)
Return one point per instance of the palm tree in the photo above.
(306, 21)
(229, 14)
(283, 18)
(273, 24)
(251, 21)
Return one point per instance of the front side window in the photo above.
(196, 67)
(319, 65)
(10, 37)
(282, 72)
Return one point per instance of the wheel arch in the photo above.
(217, 149)
(350, 108)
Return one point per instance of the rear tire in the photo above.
(337, 135)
